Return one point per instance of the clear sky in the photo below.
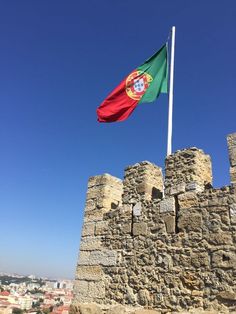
(58, 61)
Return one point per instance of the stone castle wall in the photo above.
(167, 251)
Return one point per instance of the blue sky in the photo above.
(58, 61)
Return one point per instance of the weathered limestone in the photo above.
(231, 139)
(104, 193)
(142, 181)
(143, 253)
(187, 170)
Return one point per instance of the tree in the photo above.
(36, 304)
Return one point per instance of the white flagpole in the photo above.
(170, 114)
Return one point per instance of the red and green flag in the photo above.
(142, 85)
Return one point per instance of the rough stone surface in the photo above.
(190, 222)
(144, 180)
(188, 167)
(105, 258)
(139, 228)
(233, 213)
(231, 139)
(188, 200)
(89, 309)
(170, 223)
(88, 229)
(141, 253)
(89, 273)
(137, 209)
(167, 205)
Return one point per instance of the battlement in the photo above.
(167, 244)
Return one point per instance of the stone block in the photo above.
(199, 260)
(84, 258)
(101, 228)
(187, 200)
(88, 229)
(191, 281)
(190, 222)
(143, 297)
(96, 289)
(90, 204)
(233, 175)
(81, 287)
(93, 216)
(144, 188)
(104, 180)
(169, 223)
(90, 243)
(167, 205)
(126, 227)
(233, 156)
(197, 293)
(143, 180)
(93, 193)
(117, 309)
(104, 258)
(231, 140)
(220, 238)
(126, 208)
(103, 192)
(137, 209)
(232, 212)
(227, 295)
(89, 273)
(225, 218)
(224, 259)
(130, 296)
(93, 181)
(80, 298)
(105, 202)
(214, 224)
(215, 208)
(146, 311)
(90, 309)
(194, 186)
(139, 228)
(177, 188)
(187, 166)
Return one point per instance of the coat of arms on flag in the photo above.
(137, 83)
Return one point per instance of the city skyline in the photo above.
(3, 273)
(20, 294)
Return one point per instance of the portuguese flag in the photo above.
(142, 85)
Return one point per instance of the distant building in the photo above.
(25, 302)
(33, 285)
(32, 277)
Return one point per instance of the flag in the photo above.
(142, 85)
